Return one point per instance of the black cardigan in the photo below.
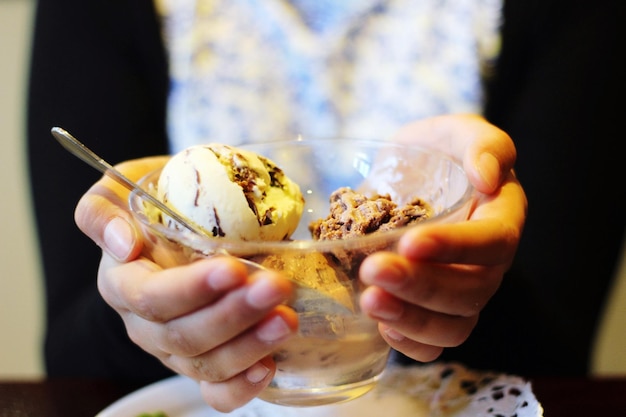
(99, 70)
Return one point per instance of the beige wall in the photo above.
(20, 285)
(20, 277)
(610, 352)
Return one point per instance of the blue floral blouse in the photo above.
(259, 70)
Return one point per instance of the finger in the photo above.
(241, 352)
(510, 200)
(489, 238)
(490, 157)
(450, 289)
(160, 295)
(479, 242)
(417, 323)
(217, 323)
(228, 395)
(418, 351)
(193, 317)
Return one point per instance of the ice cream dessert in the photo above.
(250, 209)
(231, 193)
(237, 194)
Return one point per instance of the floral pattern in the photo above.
(248, 70)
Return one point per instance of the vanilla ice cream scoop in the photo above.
(231, 193)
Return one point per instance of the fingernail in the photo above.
(273, 330)
(263, 294)
(119, 237)
(394, 334)
(257, 373)
(489, 169)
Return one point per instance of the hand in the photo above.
(429, 294)
(208, 320)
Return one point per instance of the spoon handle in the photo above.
(76, 148)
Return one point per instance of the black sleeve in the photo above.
(559, 90)
(98, 70)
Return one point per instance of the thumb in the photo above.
(489, 158)
(102, 216)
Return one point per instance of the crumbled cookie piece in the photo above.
(354, 214)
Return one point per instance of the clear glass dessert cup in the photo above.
(338, 353)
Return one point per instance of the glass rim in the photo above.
(210, 246)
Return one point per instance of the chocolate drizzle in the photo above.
(217, 230)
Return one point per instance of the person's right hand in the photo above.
(208, 320)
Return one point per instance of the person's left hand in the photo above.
(210, 320)
(429, 294)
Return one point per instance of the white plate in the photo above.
(179, 397)
(175, 396)
(433, 390)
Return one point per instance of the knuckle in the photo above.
(177, 341)
(143, 306)
(206, 370)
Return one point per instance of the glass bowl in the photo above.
(338, 353)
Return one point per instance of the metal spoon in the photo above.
(73, 145)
